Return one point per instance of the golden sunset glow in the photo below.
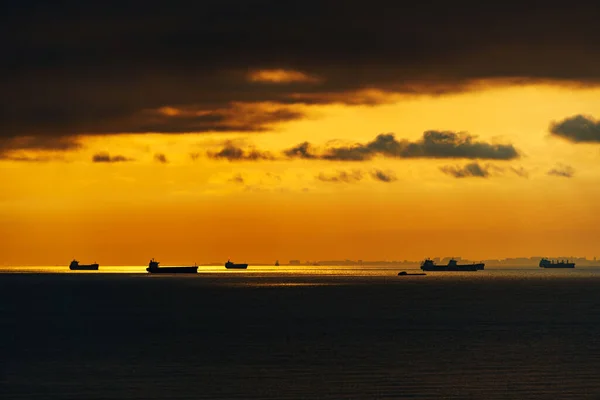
(198, 202)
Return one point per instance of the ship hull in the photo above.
(173, 270)
(89, 267)
(236, 266)
(453, 268)
(569, 265)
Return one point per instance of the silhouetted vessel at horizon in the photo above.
(404, 273)
(277, 263)
(230, 265)
(429, 265)
(82, 267)
(154, 268)
(545, 263)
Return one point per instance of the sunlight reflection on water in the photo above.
(286, 284)
(255, 271)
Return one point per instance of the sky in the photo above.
(314, 130)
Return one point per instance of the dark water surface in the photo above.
(340, 333)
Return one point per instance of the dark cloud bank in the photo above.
(104, 68)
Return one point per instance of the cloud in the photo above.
(469, 170)
(303, 150)
(522, 172)
(273, 176)
(237, 179)
(341, 177)
(32, 159)
(12, 148)
(475, 169)
(577, 129)
(105, 157)
(205, 60)
(384, 176)
(562, 170)
(39, 143)
(63, 131)
(230, 117)
(233, 153)
(160, 158)
(433, 144)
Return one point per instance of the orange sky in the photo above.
(202, 210)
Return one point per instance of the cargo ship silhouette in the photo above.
(154, 268)
(545, 263)
(82, 267)
(230, 265)
(429, 265)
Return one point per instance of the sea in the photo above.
(299, 332)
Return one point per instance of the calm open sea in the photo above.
(299, 332)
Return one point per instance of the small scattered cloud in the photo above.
(161, 158)
(256, 188)
(577, 129)
(341, 177)
(433, 144)
(469, 170)
(237, 179)
(303, 150)
(384, 176)
(232, 152)
(475, 169)
(105, 157)
(562, 170)
(522, 172)
(273, 176)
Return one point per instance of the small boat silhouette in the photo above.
(230, 265)
(402, 273)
